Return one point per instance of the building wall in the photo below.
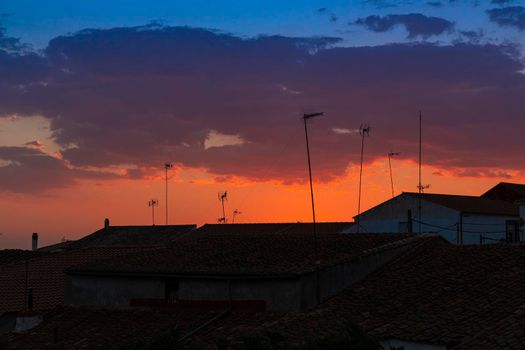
(336, 278)
(111, 292)
(280, 294)
(406, 345)
(292, 293)
(387, 216)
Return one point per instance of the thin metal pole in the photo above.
(223, 212)
(391, 177)
(420, 185)
(166, 167)
(316, 248)
(310, 175)
(153, 214)
(360, 179)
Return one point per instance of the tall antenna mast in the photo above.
(166, 167)
(152, 204)
(306, 117)
(364, 130)
(390, 155)
(420, 185)
(222, 198)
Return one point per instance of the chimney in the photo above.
(34, 245)
(106, 223)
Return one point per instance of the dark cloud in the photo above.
(323, 11)
(502, 2)
(472, 36)
(512, 16)
(380, 4)
(141, 96)
(416, 24)
(29, 170)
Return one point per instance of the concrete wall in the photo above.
(280, 294)
(386, 218)
(406, 345)
(336, 278)
(111, 291)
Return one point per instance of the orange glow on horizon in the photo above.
(79, 210)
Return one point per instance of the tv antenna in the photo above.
(235, 213)
(390, 155)
(152, 204)
(222, 198)
(306, 117)
(167, 166)
(364, 130)
(420, 186)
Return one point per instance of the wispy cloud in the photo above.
(36, 144)
(343, 131)
(217, 139)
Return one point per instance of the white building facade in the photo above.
(459, 219)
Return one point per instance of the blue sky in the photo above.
(36, 22)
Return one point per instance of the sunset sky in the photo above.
(96, 95)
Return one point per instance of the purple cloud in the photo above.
(416, 24)
(29, 170)
(141, 96)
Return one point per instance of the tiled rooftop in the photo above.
(274, 228)
(469, 297)
(471, 204)
(8, 256)
(72, 328)
(45, 274)
(434, 293)
(509, 333)
(121, 236)
(250, 254)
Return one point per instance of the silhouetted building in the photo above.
(506, 191)
(279, 270)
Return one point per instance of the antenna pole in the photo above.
(222, 198)
(166, 167)
(310, 174)
(153, 203)
(420, 185)
(364, 131)
(390, 155)
(223, 212)
(391, 178)
(316, 248)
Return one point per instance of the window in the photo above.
(172, 291)
(513, 231)
(402, 227)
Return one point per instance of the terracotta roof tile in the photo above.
(274, 228)
(236, 254)
(120, 236)
(436, 293)
(471, 204)
(8, 256)
(106, 329)
(45, 275)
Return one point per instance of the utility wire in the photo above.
(464, 231)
